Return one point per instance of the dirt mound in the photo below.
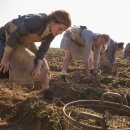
(22, 106)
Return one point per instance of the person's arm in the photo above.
(111, 54)
(43, 48)
(87, 51)
(40, 55)
(96, 57)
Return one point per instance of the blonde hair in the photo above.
(106, 37)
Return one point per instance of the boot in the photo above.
(63, 77)
(48, 94)
(91, 71)
(4, 75)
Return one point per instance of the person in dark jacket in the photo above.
(113, 47)
(28, 29)
(126, 52)
(110, 53)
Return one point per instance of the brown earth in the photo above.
(22, 107)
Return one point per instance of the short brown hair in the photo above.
(61, 17)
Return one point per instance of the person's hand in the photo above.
(36, 72)
(4, 65)
(95, 72)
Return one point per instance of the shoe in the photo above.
(4, 75)
(91, 71)
(48, 94)
(63, 77)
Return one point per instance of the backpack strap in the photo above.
(81, 29)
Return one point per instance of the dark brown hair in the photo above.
(120, 45)
(61, 17)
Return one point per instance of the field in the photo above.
(22, 107)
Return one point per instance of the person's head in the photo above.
(103, 39)
(59, 21)
(119, 46)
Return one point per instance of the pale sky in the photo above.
(100, 16)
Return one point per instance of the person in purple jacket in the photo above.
(29, 29)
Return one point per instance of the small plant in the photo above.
(122, 63)
(46, 112)
(107, 79)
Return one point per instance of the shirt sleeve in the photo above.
(96, 56)
(43, 48)
(87, 51)
(30, 25)
(66, 39)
